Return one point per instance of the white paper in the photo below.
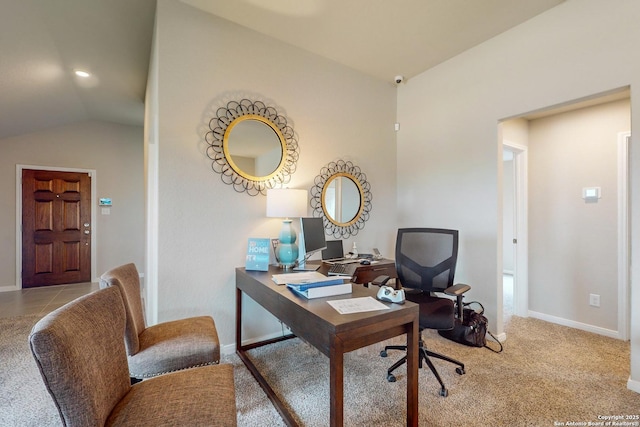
(357, 305)
(300, 278)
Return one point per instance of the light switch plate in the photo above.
(591, 194)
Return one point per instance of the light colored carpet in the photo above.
(547, 373)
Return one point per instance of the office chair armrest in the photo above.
(457, 290)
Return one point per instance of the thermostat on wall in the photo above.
(591, 194)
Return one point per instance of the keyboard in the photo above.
(343, 261)
(342, 269)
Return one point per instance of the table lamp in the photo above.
(286, 203)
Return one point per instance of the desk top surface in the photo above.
(288, 304)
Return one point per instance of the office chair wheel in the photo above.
(383, 353)
(460, 371)
(391, 378)
(444, 392)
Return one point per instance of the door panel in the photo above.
(56, 232)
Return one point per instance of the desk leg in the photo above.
(241, 352)
(238, 319)
(336, 384)
(412, 374)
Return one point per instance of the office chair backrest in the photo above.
(426, 258)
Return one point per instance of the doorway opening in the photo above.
(566, 163)
(515, 238)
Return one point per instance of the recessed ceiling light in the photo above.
(81, 73)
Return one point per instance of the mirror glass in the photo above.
(341, 199)
(254, 148)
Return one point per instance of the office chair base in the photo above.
(423, 356)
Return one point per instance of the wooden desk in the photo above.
(332, 333)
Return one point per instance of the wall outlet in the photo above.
(594, 300)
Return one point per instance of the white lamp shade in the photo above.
(286, 203)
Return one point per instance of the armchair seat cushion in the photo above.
(175, 345)
(165, 347)
(198, 397)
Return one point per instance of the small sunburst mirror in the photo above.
(341, 195)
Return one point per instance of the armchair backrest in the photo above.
(79, 351)
(426, 258)
(127, 279)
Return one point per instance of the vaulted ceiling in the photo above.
(43, 41)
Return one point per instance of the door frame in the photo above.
(624, 265)
(94, 229)
(521, 257)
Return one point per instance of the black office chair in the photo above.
(426, 263)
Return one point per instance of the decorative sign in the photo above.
(105, 201)
(258, 254)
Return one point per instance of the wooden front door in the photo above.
(56, 228)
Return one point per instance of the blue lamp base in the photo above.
(287, 248)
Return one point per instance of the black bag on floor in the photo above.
(471, 330)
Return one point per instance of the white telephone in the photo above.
(388, 294)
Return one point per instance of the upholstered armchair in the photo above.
(165, 347)
(82, 359)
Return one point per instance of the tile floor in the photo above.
(41, 300)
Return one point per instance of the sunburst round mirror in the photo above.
(251, 146)
(341, 195)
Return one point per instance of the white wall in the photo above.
(448, 147)
(115, 152)
(573, 245)
(203, 225)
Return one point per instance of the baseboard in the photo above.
(500, 337)
(633, 385)
(231, 348)
(9, 288)
(577, 325)
(228, 349)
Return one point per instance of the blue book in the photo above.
(258, 254)
(324, 291)
(329, 281)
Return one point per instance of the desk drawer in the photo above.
(366, 273)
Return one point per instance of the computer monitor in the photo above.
(334, 250)
(311, 241)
